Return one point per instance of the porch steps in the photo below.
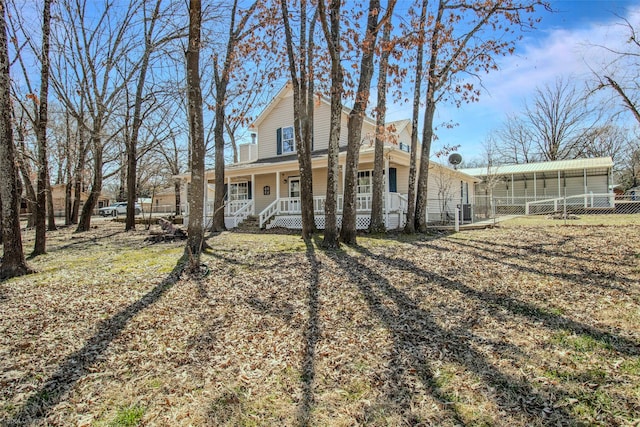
(250, 225)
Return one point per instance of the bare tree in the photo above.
(621, 75)
(35, 108)
(89, 78)
(456, 50)
(377, 224)
(150, 45)
(301, 72)
(13, 262)
(410, 226)
(375, 21)
(516, 141)
(222, 75)
(558, 120)
(331, 30)
(195, 229)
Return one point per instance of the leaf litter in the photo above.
(509, 326)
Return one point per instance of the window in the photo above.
(239, 191)
(294, 187)
(288, 142)
(364, 182)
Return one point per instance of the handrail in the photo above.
(268, 212)
(403, 202)
(244, 211)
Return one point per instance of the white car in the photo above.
(116, 209)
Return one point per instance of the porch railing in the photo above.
(268, 212)
(240, 213)
(293, 205)
(235, 211)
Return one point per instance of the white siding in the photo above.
(262, 200)
(280, 116)
(597, 184)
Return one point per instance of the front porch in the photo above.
(269, 191)
(286, 212)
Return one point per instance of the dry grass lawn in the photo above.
(521, 325)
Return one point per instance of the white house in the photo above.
(266, 183)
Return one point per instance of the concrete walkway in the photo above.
(478, 225)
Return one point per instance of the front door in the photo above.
(294, 195)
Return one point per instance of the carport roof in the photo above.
(603, 163)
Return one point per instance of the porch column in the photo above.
(559, 191)
(512, 192)
(228, 193)
(535, 187)
(584, 171)
(277, 185)
(253, 193)
(386, 193)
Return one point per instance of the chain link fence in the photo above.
(492, 209)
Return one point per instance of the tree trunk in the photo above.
(423, 178)
(195, 229)
(132, 147)
(41, 136)
(302, 116)
(332, 36)
(25, 172)
(78, 173)
(84, 224)
(67, 202)
(410, 226)
(222, 83)
(13, 261)
(51, 214)
(427, 132)
(377, 224)
(218, 135)
(176, 188)
(354, 127)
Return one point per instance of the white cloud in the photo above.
(542, 57)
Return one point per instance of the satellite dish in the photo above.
(455, 159)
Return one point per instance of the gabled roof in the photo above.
(542, 167)
(400, 125)
(285, 92)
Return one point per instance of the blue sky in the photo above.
(562, 46)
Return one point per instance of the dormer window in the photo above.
(286, 141)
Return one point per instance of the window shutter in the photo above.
(226, 192)
(393, 180)
(279, 141)
(249, 193)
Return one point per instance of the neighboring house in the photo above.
(58, 196)
(525, 188)
(164, 200)
(266, 183)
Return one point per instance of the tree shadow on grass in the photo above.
(587, 276)
(418, 338)
(311, 338)
(497, 302)
(78, 363)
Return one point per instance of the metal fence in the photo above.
(486, 208)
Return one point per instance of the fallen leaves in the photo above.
(513, 326)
